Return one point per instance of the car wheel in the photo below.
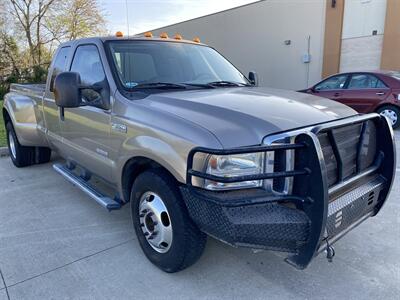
(392, 113)
(21, 156)
(166, 234)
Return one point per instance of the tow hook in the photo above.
(330, 251)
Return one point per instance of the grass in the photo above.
(3, 141)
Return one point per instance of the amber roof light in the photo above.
(164, 35)
(178, 37)
(196, 40)
(119, 34)
(148, 34)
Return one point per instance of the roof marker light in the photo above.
(196, 40)
(119, 34)
(164, 35)
(178, 37)
(148, 34)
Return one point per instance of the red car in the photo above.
(365, 92)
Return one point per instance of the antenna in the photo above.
(127, 15)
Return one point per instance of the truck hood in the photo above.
(244, 116)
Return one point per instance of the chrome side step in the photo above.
(104, 201)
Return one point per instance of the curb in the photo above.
(3, 151)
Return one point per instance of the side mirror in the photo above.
(67, 90)
(253, 77)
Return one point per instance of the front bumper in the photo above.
(306, 223)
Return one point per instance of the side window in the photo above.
(88, 64)
(333, 83)
(60, 64)
(365, 81)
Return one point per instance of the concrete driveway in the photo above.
(56, 243)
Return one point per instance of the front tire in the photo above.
(392, 113)
(166, 234)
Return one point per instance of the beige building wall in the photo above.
(269, 37)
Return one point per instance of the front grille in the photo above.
(348, 150)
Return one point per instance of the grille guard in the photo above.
(309, 168)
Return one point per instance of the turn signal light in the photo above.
(148, 34)
(119, 34)
(164, 35)
(196, 40)
(178, 37)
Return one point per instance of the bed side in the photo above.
(23, 104)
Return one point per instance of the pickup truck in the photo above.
(198, 149)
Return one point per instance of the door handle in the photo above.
(380, 93)
(336, 94)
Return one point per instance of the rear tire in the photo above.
(23, 156)
(186, 241)
(392, 113)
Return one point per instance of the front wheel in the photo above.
(166, 234)
(392, 113)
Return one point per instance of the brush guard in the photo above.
(321, 215)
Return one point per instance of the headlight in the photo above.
(233, 166)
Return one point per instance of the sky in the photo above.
(145, 15)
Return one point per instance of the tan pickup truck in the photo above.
(199, 149)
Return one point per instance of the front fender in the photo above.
(159, 151)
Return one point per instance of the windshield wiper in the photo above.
(159, 85)
(226, 83)
(202, 85)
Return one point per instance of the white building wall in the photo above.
(253, 38)
(362, 36)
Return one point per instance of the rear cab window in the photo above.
(60, 64)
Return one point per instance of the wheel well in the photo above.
(386, 105)
(132, 169)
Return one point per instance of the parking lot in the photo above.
(55, 243)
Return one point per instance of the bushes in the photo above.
(35, 74)
(3, 91)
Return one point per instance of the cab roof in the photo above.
(131, 38)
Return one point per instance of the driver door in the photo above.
(86, 129)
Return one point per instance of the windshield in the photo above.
(140, 63)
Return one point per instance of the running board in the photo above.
(104, 201)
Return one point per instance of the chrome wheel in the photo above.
(155, 222)
(391, 115)
(11, 142)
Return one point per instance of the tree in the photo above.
(31, 16)
(80, 18)
(30, 31)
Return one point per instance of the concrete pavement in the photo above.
(56, 243)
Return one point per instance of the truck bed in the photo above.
(36, 89)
